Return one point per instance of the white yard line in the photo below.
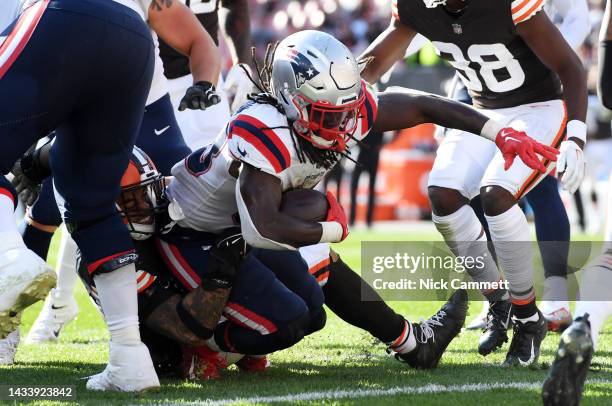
(398, 390)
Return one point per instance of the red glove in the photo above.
(512, 143)
(336, 213)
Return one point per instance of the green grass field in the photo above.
(339, 365)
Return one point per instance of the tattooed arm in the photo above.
(178, 27)
(237, 29)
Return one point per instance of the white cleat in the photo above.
(557, 314)
(24, 279)
(8, 348)
(479, 322)
(51, 320)
(129, 369)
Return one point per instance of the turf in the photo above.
(339, 357)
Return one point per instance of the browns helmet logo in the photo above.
(303, 69)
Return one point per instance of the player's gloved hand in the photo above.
(336, 213)
(238, 85)
(570, 165)
(225, 259)
(199, 96)
(28, 174)
(513, 143)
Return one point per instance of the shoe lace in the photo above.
(428, 327)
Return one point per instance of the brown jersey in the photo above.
(481, 43)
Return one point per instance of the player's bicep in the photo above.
(398, 108)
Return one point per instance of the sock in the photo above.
(596, 292)
(66, 270)
(534, 317)
(555, 289)
(465, 236)
(512, 240)
(36, 239)
(406, 341)
(117, 293)
(8, 225)
(343, 295)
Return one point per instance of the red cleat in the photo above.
(253, 363)
(201, 363)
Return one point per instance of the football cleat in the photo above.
(435, 334)
(253, 363)
(526, 340)
(201, 363)
(51, 320)
(495, 333)
(558, 319)
(565, 380)
(129, 369)
(8, 348)
(24, 279)
(480, 321)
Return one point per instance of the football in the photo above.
(305, 204)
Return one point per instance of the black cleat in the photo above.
(435, 334)
(526, 340)
(495, 333)
(567, 374)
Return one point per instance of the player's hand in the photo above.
(336, 213)
(199, 96)
(238, 85)
(27, 189)
(225, 259)
(514, 143)
(570, 165)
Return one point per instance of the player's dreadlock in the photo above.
(306, 151)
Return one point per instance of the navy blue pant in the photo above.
(159, 137)
(85, 73)
(266, 312)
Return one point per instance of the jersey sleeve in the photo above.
(368, 112)
(257, 144)
(523, 10)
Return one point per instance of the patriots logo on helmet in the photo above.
(303, 69)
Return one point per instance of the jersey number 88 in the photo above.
(481, 54)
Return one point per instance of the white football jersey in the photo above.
(202, 193)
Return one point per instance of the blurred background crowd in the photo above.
(394, 185)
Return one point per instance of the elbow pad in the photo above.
(250, 233)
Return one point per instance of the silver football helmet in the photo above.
(316, 80)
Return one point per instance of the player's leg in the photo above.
(553, 235)
(500, 192)
(460, 162)
(160, 136)
(41, 221)
(421, 345)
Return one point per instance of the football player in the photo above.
(199, 128)
(95, 104)
(513, 71)
(565, 381)
(159, 136)
(314, 106)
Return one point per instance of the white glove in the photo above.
(570, 165)
(237, 85)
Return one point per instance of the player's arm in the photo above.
(176, 24)
(237, 28)
(259, 196)
(605, 58)
(548, 44)
(400, 108)
(388, 48)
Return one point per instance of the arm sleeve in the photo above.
(576, 25)
(605, 73)
(523, 10)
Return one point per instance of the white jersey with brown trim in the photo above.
(202, 192)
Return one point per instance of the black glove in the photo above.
(199, 96)
(226, 256)
(28, 174)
